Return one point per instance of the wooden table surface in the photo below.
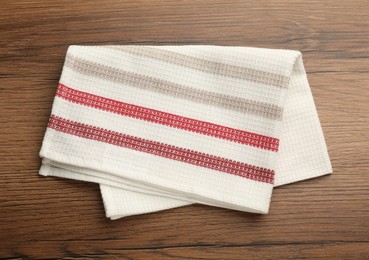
(326, 217)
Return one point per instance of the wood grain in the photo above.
(50, 218)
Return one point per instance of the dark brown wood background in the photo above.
(326, 218)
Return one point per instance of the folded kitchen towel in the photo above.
(164, 126)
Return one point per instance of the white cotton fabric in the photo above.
(133, 182)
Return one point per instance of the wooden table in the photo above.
(327, 217)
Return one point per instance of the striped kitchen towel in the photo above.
(164, 126)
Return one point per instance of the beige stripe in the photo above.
(157, 85)
(206, 66)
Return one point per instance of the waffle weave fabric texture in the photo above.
(160, 127)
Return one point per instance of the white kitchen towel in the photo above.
(161, 127)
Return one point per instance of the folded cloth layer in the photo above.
(164, 126)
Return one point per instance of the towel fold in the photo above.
(160, 127)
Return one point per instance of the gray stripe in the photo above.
(206, 66)
(157, 85)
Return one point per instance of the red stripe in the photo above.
(161, 149)
(159, 117)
